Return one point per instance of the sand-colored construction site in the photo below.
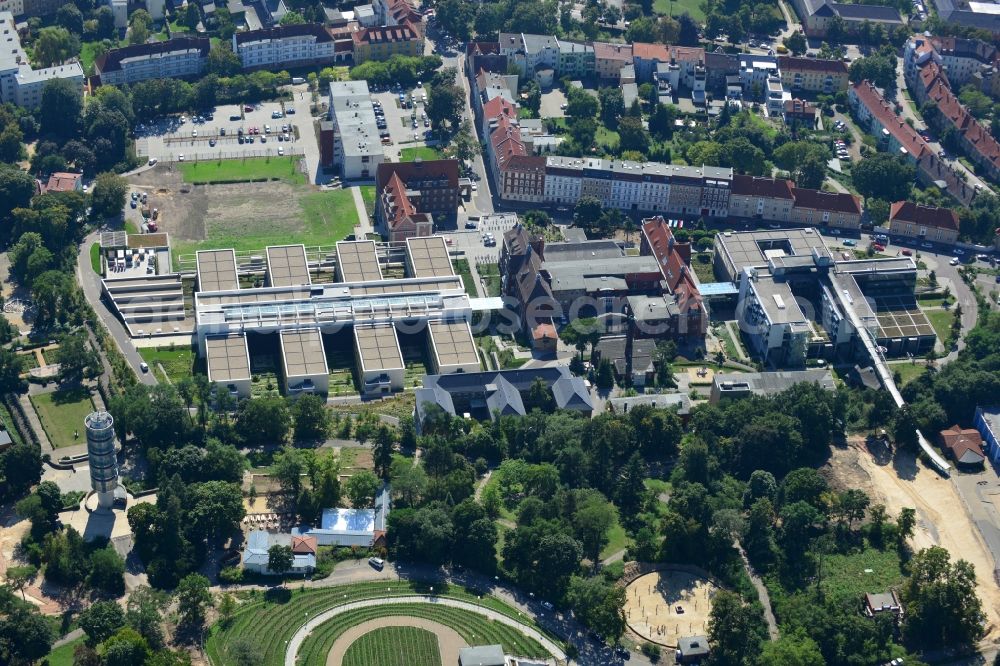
(666, 605)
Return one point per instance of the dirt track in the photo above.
(942, 519)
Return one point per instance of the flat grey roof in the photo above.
(287, 265)
(378, 347)
(302, 352)
(217, 270)
(777, 300)
(767, 383)
(228, 358)
(357, 261)
(744, 249)
(453, 343)
(429, 256)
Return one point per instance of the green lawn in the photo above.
(490, 273)
(934, 300)
(241, 171)
(846, 579)
(178, 362)
(606, 137)
(617, 539)
(62, 413)
(462, 268)
(941, 321)
(701, 263)
(677, 7)
(423, 152)
(329, 217)
(368, 194)
(907, 371)
(394, 646)
(95, 257)
(88, 54)
(63, 655)
(732, 346)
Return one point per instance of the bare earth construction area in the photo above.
(942, 519)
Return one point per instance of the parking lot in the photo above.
(471, 241)
(217, 135)
(552, 104)
(399, 120)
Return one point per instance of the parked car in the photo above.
(180, 158)
(470, 225)
(850, 242)
(281, 151)
(906, 252)
(144, 366)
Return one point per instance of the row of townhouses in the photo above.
(20, 83)
(25, 9)
(894, 135)
(930, 80)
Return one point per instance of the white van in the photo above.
(377, 563)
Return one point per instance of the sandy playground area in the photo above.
(664, 606)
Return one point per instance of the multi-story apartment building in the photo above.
(15, 7)
(412, 195)
(970, 14)
(645, 58)
(285, 46)
(19, 83)
(381, 43)
(927, 79)
(395, 12)
(357, 146)
(610, 58)
(892, 134)
(25, 9)
(817, 15)
(761, 198)
(925, 223)
(960, 58)
(816, 208)
(175, 58)
(576, 59)
(813, 74)
(544, 57)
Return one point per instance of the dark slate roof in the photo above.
(112, 60)
(434, 395)
(571, 393)
(502, 398)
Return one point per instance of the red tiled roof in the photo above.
(928, 216)
(687, 53)
(405, 32)
(835, 202)
(672, 266)
(799, 107)
(645, 51)
(812, 64)
(526, 163)
(966, 445)
(63, 182)
(507, 143)
(762, 187)
(979, 138)
(881, 109)
(403, 207)
(304, 545)
(499, 106)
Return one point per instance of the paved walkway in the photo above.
(762, 595)
(308, 627)
(364, 223)
(449, 641)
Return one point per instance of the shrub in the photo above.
(231, 575)
(652, 651)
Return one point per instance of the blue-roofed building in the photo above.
(259, 542)
(987, 422)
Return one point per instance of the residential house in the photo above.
(925, 223)
(175, 58)
(645, 57)
(965, 445)
(816, 75)
(395, 12)
(800, 113)
(65, 182)
(20, 83)
(882, 602)
(720, 66)
(381, 43)
(631, 359)
(410, 195)
(761, 198)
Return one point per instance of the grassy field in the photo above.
(462, 268)
(846, 577)
(63, 655)
(732, 346)
(701, 263)
(941, 321)
(617, 539)
(677, 7)
(62, 413)
(241, 171)
(328, 217)
(934, 300)
(394, 646)
(270, 619)
(178, 362)
(423, 152)
(88, 54)
(490, 273)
